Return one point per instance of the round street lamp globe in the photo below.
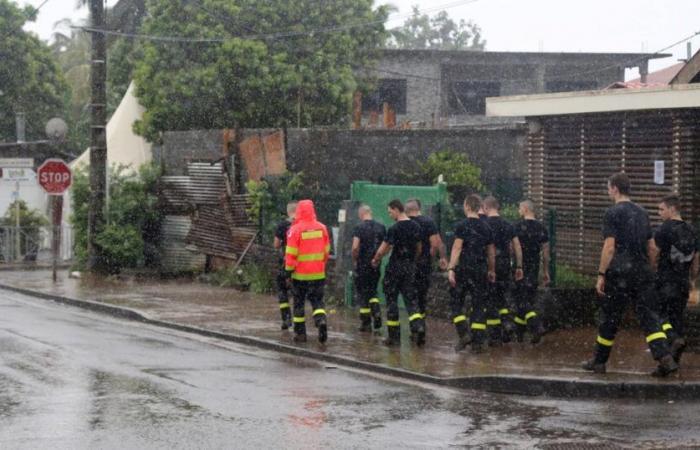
(56, 129)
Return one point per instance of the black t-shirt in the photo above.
(628, 223)
(403, 237)
(531, 234)
(427, 228)
(677, 243)
(503, 234)
(371, 234)
(281, 232)
(476, 236)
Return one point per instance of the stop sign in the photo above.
(54, 176)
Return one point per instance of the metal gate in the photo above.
(29, 244)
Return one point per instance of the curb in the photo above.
(510, 384)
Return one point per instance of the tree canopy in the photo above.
(441, 32)
(30, 80)
(281, 62)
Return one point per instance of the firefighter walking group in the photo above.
(489, 256)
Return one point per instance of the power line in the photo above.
(268, 36)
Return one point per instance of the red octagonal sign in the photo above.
(54, 176)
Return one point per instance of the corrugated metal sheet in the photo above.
(203, 185)
(175, 256)
(570, 158)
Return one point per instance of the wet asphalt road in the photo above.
(73, 379)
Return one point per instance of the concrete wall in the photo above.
(336, 158)
(429, 74)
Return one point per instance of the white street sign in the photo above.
(16, 163)
(18, 174)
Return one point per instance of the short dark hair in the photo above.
(621, 181)
(416, 201)
(396, 204)
(491, 202)
(473, 202)
(672, 201)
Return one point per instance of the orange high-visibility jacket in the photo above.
(308, 245)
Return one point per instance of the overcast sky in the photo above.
(529, 25)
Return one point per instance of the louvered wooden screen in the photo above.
(569, 159)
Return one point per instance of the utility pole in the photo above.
(98, 138)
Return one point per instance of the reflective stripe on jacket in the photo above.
(308, 245)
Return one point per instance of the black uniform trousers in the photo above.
(313, 291)
(283, 292)
(399, 278)
(673, 292)
(366, 282)
(526, 316)
(497, 306)
(423, 272)
(633, 285)
(475, 284)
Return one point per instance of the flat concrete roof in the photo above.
(582, 102)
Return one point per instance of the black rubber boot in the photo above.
(299, 332)
(419, 333)
(463, 337)
(286, 318)
(666, 367)
(365, 323)
(592, 366)
(393, 336)
(677, 348)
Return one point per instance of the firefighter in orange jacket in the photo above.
(305, 259)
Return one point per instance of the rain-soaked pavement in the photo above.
(228, 311)
(74, 379)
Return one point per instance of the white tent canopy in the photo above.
(124, 147)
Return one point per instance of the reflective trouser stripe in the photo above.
(459, 319)
(530, 315)
(605, 342)
(393, 323)
(365, 310)
(373, 300)
(416, 316)
(667, 326)
(478, 326)
(519, 321)
(284, 305)
(289, 268)
(655, 336)
(493, 322)
(299, 319)
(309, 276)
(319, 311)
(503, 311)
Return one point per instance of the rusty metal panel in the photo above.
(263, 155)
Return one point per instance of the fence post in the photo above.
(552, 228)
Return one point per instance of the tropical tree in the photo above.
(441, 32)
(30, 80)
(279, 62)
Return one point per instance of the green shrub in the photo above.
(229, 277)
(510, 213)
(251, 276)
(129, 239)
(260, 279)
(568, 278)
(269, 198)
(122, 246)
